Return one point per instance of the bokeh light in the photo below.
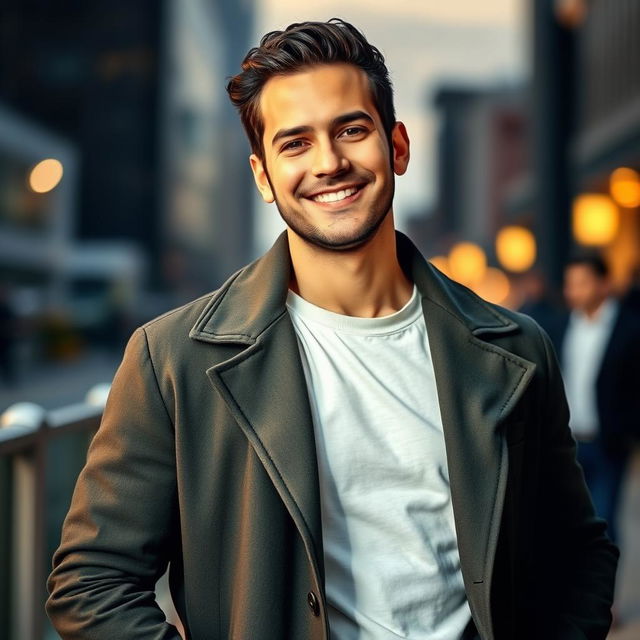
(595, 219)
(516, 248)
(467, 263)
(494, 286)
(46, 175)
(570, 13)
(624, 185)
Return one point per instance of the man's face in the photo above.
(327, 163)
(584, 289)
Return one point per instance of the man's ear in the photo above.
(400, 148)
(261, 178)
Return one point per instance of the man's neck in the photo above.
(365, 282)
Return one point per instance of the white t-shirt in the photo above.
(390, 549)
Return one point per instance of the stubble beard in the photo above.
(311, 234)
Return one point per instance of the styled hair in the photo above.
(593, 261)
(303, 45)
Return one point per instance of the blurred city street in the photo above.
(73, 380)
(126, 191)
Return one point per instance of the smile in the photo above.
(335, 196)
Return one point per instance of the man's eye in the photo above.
(293, 145)
(353, 131)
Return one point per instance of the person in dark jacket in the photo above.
(600, 352)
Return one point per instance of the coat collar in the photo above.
(254, 297)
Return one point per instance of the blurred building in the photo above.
(607, 138)
(137, 90)
(585, 114)
(559, 159)
(207, 186)
(36, 215)
(481, 149)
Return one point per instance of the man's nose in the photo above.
(328, 159)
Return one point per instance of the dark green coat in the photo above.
(205, 459)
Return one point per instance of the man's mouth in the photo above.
(336, 196)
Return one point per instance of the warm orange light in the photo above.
(516, 248)
(467, 262)
(494, 287)
(624, 185)
(595, 219)
(46, 175)
(441, 263)
(570, 13)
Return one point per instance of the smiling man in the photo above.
(340, 442)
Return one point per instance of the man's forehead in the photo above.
(288, 99)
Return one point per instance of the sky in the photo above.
(425, 43)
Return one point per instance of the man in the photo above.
(601, 365)
(339, 442)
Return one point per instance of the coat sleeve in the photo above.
(118, 535)
(577, 570)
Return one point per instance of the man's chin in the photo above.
(339, 242)
(346, 243)
(350, 244)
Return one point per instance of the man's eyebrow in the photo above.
(350, 117)
(336, 122)
(287, 133)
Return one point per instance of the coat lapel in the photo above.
(264, 386)
(478, 385)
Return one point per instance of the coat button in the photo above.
(312, 601)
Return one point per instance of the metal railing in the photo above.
(41, 453)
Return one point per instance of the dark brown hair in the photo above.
(591, 260)
(303, 45)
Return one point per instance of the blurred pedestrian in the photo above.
(601, 366)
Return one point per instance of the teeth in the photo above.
(335, 196)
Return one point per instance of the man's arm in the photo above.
(118, 535)
(577, 572)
